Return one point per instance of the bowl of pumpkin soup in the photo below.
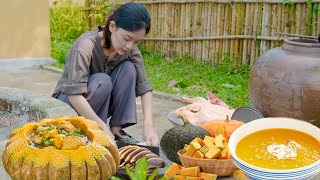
(277, 148)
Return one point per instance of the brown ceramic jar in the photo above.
(285, 81)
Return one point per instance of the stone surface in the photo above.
(23, 63)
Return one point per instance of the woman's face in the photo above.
(123, 41)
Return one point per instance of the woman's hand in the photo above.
(150, 136)
(107, 130)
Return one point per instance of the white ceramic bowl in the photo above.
(254, 172)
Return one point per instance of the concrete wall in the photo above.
(25, 28)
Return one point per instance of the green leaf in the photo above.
(129, 172)
(309, 3)
(286, 1)
(315, 10)
(141, 169)
(115, 178)
(154, 174)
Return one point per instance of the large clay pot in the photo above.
(285, 81)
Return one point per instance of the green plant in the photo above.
(193, 78)
(67, 23)
(141, 172)
(100, 11)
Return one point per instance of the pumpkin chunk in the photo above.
(239, 175)
(173, 170)
(179, 177)
(219, 141)
(193, 147)
(204, 149)
(191, 171)
(198, 154)
(213, 153)
(208, 141)
(207, 176)
(192, 178)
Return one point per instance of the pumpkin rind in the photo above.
(229, 127)
(96, 160)
(175, 138)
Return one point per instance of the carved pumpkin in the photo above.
(67, 148)
(225, 127)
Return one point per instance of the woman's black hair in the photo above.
(130, 17)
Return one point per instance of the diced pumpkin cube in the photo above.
(204, 149)
(219, 141)
(220, 130)
(198, 140)
(209, 138)
(208, 141)
(198, 154)
(184, 150)
(228, 153)
(193, 147)
(192, 178)
(213, 153)
(239, 175)
(185, 147)
(179, 177)
(173, 170)
(224, 152)
(207, 176)
(222, 137)
(191, 171)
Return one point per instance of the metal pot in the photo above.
(285, 81)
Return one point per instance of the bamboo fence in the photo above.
(210, 29)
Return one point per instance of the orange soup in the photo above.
(279, 149)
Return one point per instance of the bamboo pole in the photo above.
(176, 24)
(214, 33)
(264, 27)
(285, 12)
(274, 22)
(250, 31)
(207, 32)
(227, 21)
(157, 30)
(212, 25)
(303, 29)
(233, 29)
(187, 28)
(298, 19)
(225, 28)
(255, 29)
(182, 23)
(221, 32)
(246, 24)
(280, 22)
(293, 18)
(238, 31)
(218, 27)
(197, 29)
(169, 26)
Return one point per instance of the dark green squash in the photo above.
(175, 138)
